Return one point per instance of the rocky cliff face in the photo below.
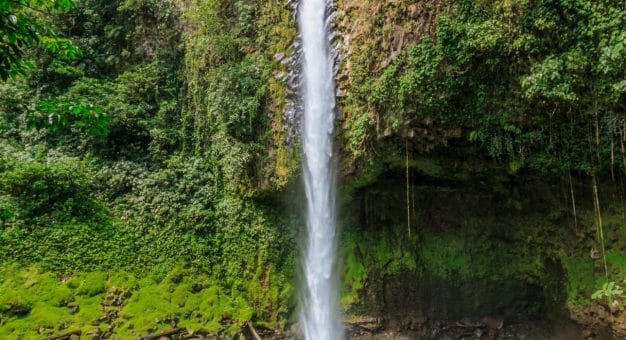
(472, 248)
(447, 215)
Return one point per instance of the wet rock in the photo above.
(196, 288)
(478, 332)
(433, 333)
(295, 329)
(493, 322)
(286, 62)
(420, 320)
(594, 254)
(281, 76)
(413, 323)
(74, 308)
(18, 310)
(469, 322)
(363, 326)
(517, 328)
(279, 57)
(72, 335)
(116, 297)
(94, 334)
(406, 323)
(588, 334)
(371, 327)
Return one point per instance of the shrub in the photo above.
(57, 191)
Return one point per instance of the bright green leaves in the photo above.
(228, 86)
(613, 55)
(74, 114)
(409, 86)
(51, 5)
(22, 25)
(612, 292)
(591, 60)
(40, 192)
(549, 80)
(486, 36)
(228, 103)
(522, 80)
(236, 97)
(62, 47)
(612, 65)
(16, 32)
(423, 65)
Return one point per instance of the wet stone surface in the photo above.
(490, 327)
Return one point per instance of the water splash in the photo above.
(319, 316)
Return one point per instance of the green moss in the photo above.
(35, 304)
(89, 309)
(393, 258)
(425, 166)
(47, 298)
(584, 275)
(581, 279)
(90, 284)
(120, 279)
(448, 257)
(25, 288)
(617, 263)
(354, 276)
(196, 301)
(364, 253)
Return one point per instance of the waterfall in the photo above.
(319, 315)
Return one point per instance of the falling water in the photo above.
(320, 313)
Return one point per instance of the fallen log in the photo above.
(253, 331)
(167, 333)
(65, 335)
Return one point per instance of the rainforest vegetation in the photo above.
(150, 165)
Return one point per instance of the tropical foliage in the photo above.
(145, 156)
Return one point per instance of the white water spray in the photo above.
(319, 315)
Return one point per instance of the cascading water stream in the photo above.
(319, 316)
